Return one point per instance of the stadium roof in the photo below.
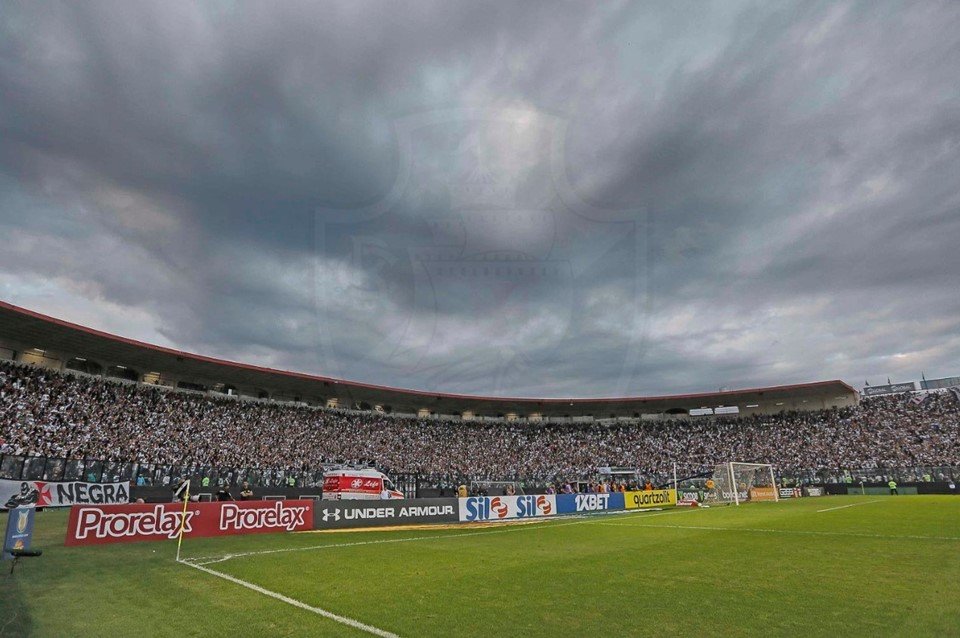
(25, 329)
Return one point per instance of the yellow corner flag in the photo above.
(183, 518)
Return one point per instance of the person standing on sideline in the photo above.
(893, 487)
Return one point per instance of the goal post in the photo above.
(735, 482)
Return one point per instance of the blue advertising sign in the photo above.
(19, 530)
(495, 508)
(573, 503)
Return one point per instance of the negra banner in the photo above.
(48, 494)
(357, 513)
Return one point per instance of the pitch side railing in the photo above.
(42, 468)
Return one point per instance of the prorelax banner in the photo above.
(359, 513)
(49, 494)
(498, 508)
(99, 524)
(650, 498)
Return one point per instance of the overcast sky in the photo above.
(535, 199)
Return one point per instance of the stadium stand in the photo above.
(68, 416)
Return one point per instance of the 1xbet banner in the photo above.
(498, 508)
(573, 503)
(98, 524)
(651, 498)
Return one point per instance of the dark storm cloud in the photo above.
(530, 199)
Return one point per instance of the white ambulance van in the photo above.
(366, 484)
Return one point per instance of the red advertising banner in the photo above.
(99, 524)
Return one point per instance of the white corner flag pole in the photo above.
(674, 477)
(183, 518)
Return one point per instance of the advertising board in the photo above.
(574, 503)
(100, 524)
(650, 498)
(19, 533)
(60, 494)
(358, 513)
(496, 508)
(790, 492)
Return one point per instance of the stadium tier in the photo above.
(67, 416)
(30, 337)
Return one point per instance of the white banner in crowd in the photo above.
(50, 494)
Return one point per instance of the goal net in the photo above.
(742, 482)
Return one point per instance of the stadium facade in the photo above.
(30, 337)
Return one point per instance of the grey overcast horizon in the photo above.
(513, 199)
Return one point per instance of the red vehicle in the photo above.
(366, 484)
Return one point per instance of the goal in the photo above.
(742, 482)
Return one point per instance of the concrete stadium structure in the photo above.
(33, 338)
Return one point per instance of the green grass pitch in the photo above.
(885, 566)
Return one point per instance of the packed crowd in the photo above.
(45, 413)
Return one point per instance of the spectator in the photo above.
(45, 413)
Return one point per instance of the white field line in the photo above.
(343, 620)
(201, 563)
(323, 612)
(580, 519)
(646, 514)
(840, 507)
(209, 560)
(788, 531)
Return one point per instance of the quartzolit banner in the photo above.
(369, 513)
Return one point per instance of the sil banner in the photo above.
(497, 508)
(60, 494)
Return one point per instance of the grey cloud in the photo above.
(748, 193)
